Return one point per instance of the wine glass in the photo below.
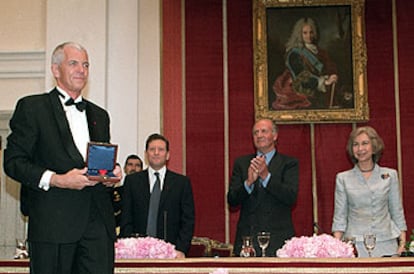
(263, 238)
(369, 242)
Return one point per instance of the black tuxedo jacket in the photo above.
(265, 209)
(41, 139)
(176, 207)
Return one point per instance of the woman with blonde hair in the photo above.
(368, 198)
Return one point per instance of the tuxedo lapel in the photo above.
(63, 125)
(140, 187)
(145, 189)
(274, 163)
(98, 123)
(90, 116)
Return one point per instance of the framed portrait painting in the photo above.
(310, 61)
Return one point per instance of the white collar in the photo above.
(161, 171)
(312, 47)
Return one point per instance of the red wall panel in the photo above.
(172, 81)
(406, 85)
(241, 95)
(205, 114)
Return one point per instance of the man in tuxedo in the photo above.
(71, 220)
(174, 212)
(265, 186)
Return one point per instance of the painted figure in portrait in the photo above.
(310, 78)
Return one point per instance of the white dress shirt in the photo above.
(152, 178)
(78, 124)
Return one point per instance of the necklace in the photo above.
(367, 170)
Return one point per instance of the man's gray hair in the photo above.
(58, 54)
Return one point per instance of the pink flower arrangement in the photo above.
(144, 248)
(220, 271)
(317, 246)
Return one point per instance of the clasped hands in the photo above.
(77, 179)
(257, 168)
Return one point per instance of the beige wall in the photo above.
(22, 36)
(22, 25)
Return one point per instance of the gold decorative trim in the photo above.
(397, 94)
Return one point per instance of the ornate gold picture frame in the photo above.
(310, 61)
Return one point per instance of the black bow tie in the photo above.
(81, 106)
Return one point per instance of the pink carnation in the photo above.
(144, 248)
(317, 246)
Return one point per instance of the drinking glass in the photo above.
(263, 238)
(369, 242)
(247, 247)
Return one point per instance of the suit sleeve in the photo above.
(19, 155)
(340, 209)
(237, 192)
(395, 203)
(187, 219)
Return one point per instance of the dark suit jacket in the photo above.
(176, 206)
(265, 209)
(41, 139)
